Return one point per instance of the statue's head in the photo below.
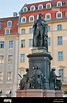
(40, 16)
(35, 67)
(27, 69)
(53, 69)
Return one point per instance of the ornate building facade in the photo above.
(8, 55)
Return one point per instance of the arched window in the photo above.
(9, 24)
(59, 4)
(59, 15)
(48, 5)
(31, 18)
(32, 8)
(48, 16)
(25, 9)
(23, 20)
(40, 7)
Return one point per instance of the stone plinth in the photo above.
(34, 93)
(21, 93)
(42, 58)
(59, 93)
(49, 93)
(38, 93)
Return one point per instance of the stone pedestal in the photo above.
(59, 93)
(42, 59)
(49, 93)
(38, 93)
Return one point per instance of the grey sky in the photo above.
(7, 7)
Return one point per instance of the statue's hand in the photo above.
(59, 75)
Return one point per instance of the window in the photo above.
(10, 59)
(61, 72)
(22, 58)
(8, 31)
(40, 7)
(0, 26)
(48, 41)
(31, 18)
(59, 4)
(32, 8)
(1, 76)
(10, 44)
(60, 56)
(31, 30)
(9, 76)
(48, 28)
(30, 42)
(59, 15)
(59, 40)
(9, 23)
(59, 27)
(23, 20)
(2, 44)
(22, 43)
(25, 9)
(1, 58)
(48, 5)
(23, 31)
(48, 16)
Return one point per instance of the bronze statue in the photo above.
(24, 82)
(36, 80)
(40, 33)
(55, 80)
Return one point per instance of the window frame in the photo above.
(32, 17)
(8, 23)
(32, 7)
(30, 30)
(59, 27)
(30, 45)
(11, 44)
(59, 41)
(58, 3)
(46, 16)
(6, 31)
(22, 19)
(1, 76)
(60, 58)
(24, 9)
(23, 31)
(49, 41)
(22, 61)
(1, 59)
(23, 43)
(47, 5)
(57, 15)
(9, 76)
(40, 6)
(10, 59)
(2, 44)
(61, 70)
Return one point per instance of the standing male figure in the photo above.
(40, 32)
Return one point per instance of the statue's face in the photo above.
(40, 16)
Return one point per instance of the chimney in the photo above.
(14, 14)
